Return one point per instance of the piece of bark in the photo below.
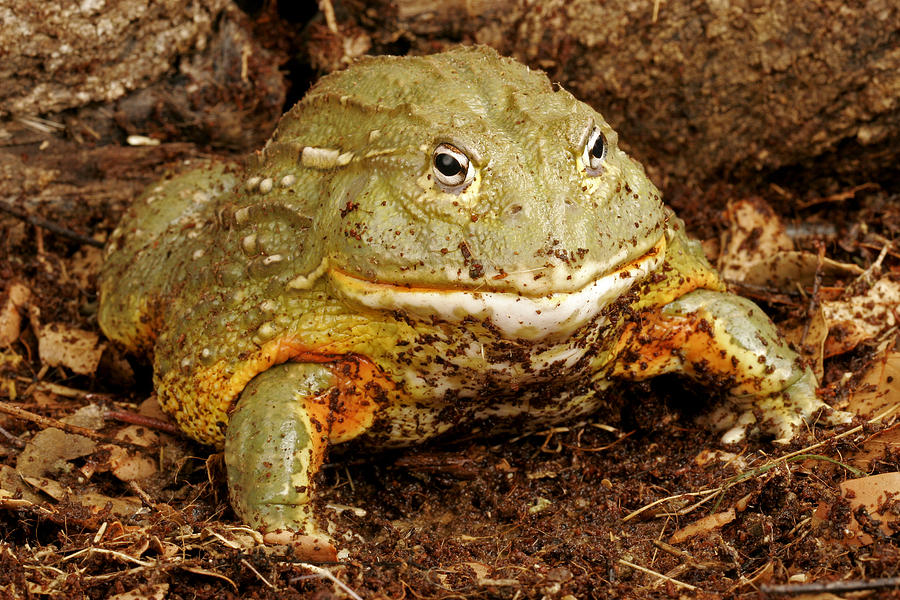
(209, 81)
(58, 55)
(704, 89)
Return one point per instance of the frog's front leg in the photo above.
(726, 341)
(277, 439)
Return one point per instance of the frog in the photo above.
(427, 246)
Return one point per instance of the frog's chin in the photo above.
(553, 316)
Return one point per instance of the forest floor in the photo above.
(639, 501)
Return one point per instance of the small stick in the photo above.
(831, 586)
(49, 225)
(247, 564)
(328, 10)
(14, 440)
(328, 574)
(686, 586)
(44, 422)
(142, 420)
(710, 492)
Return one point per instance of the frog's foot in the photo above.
(275, 444)
(782, 414)
(728, 341)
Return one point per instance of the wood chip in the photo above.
(702, 526)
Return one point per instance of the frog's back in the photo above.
(151, 253)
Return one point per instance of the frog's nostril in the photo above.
(514, 209)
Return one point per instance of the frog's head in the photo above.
(464, 184)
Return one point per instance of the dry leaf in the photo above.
(874, 448)
(709, 456)
(861, 317)
(77, 349)
(10, 317)
(129, 465)
(481, 570)
(786, 269)
(122, 506)
(52, 488)
(133, 465)
(49, 451)
(878, 390)
(89, 417)
(151, 408)
(12, 483)
(701, 526)
(138, 435)
(757, 251)
(754, 233)
(872, 493)
(156, 591)
(809, 340)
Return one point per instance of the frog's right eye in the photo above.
(452, 168)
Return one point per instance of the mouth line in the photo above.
(555, 315)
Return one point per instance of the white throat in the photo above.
(556, 315)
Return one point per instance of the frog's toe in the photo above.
(744, 424)
(313, 547)
(779, 420)
(735, 425)
(798, 406)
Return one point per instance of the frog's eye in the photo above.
(594, 153)
(452, 169)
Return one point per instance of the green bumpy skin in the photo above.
(425, 246)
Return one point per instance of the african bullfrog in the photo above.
(426, 245)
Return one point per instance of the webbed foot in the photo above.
(782, 414)
(728, 342)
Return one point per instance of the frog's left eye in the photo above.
(594, 153)
(452, 168)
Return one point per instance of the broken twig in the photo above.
(49, 226)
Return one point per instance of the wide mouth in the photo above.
(516, 316)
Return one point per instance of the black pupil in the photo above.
(447, 164)
(598, 147)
